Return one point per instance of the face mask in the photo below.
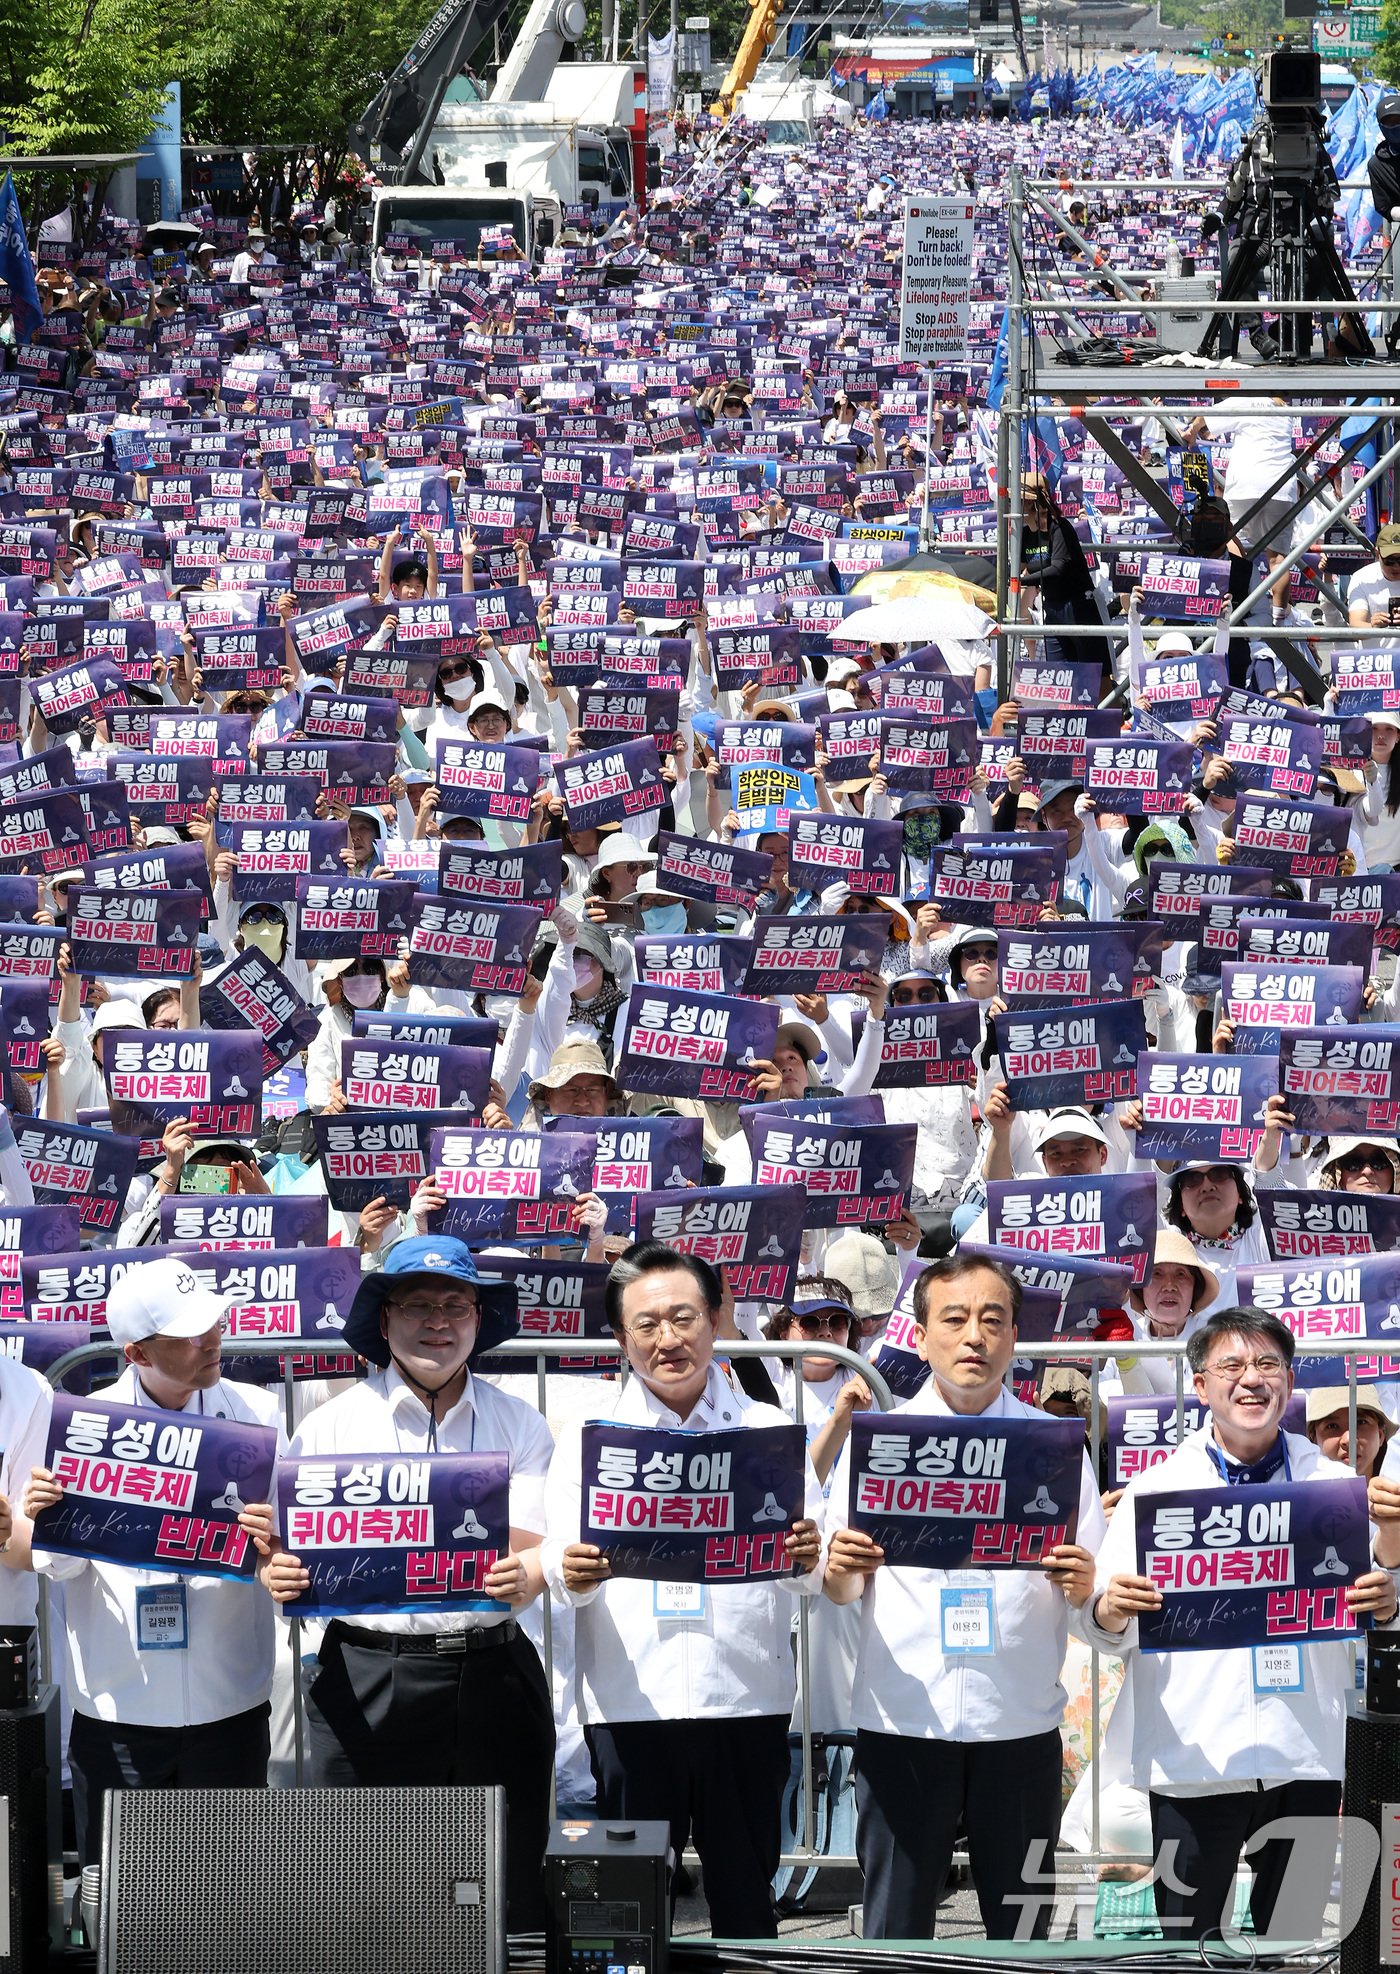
(499, 1008)
(588, 975)
(361, 990)
(460, 691)
(920, 833)
(664, 918)
(268, 938)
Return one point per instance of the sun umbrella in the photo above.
(935, 616)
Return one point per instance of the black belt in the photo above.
(478, 1638)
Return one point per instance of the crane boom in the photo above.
(758, 38)
(393, 132)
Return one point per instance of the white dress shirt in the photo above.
(226, 1667)
(382, 1415)
(26, 1399)
(906, 1683)
(734, 1659)
(1199, 1726)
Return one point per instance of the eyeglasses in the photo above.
(1233, 1368)
(422, 1309)
(1388, 561)
(683, 1324)
(1360, 1161)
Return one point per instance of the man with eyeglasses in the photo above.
(1373, 594)
(437, 1698)
(686, 1689)
(1229, 1742)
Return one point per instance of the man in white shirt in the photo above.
(959, 1727)
(1228, 1742)
(686, 1689)
(1373, 594)
(437, 1698)
(170, 1675)
(1259, 472)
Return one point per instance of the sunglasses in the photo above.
(1355, 1162)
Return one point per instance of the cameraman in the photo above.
(1383, 170)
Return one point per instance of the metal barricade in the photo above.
(542, 1351)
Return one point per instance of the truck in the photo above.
(530, 147)
(425, 215)
(789, 110)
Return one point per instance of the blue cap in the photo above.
(439, 1258)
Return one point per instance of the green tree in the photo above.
(77, 76)
(1385, 60)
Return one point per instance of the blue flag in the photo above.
(17, 265)
(877, 109)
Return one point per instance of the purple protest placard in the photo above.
(71, 1164)
(1055, 746)
(365, 1155)
(154, 1490)
(165, 789)
(475, 948)
(866, 855)
(1084, 1055)
(393, 1076)
(1255, 1566)
(815, 955)
(1138, 776)
(1339, 1300)
(962, 1493)
(258, 799)
(1262, 1000)
(636, 1155)
(1372, 900)
(853, 1174)
(929, 1046)
(1342, 1079)
(1301, 839)
(1175, 891)
(531, 875)
(754, 1233)
(38, 1346)
(252, 992)
(937, 760)
(682, 1044)
(692, 1507)
(1203, 1106)
(1281, 757)
(509, 1185)
(1082, 1287)
(154, 1076)
(63, 699)
(556, 1298)
(613, 784)
(478, 780)
(1316, 1226)
(1142, 1431)
(272, 856)
(993, 887)
(46, 831)
(717, 873)
(410, 1532)
(352, 917)
(1111, 1214)
(702, 962)
(244, 1220)
(1072, 961)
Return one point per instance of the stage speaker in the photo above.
(1371, 1792)
(299, 1881)
(607, 1897)
(31, 1788)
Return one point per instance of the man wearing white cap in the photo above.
(170, 1675)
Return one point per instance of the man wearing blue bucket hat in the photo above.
(437, 1698)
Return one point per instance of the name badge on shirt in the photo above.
(161, 1624)
(1278, 1668)
(678, 1600)
(965, 1620)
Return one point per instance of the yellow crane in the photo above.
(759, 36)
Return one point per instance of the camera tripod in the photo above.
(1296, 246)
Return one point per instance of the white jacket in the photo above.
(904, 1682)
(225, 1669)
(1197, 1719)
(734, 1660)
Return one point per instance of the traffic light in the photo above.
(1230, 35)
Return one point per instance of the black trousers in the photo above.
(390, 1719)
(1194, 1886)
(718, 1781)
(105, 1755)
(910, 1797)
